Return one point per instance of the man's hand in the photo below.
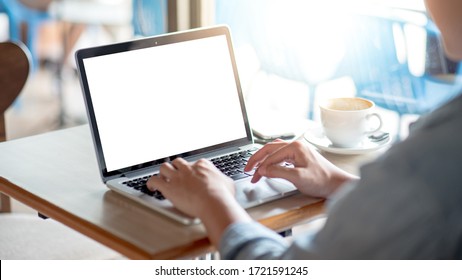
(200, 190)
(311, 173)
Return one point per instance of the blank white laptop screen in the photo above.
(166, 100)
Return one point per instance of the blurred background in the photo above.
(290, 54)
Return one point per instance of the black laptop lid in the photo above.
(153, 99)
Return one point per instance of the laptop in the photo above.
(176, 95)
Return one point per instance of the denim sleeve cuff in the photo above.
(250, 240)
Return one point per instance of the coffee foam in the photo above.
(347, 104)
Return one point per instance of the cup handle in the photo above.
(380, 122)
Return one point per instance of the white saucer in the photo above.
(317, 137)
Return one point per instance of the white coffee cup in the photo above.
(346, 121)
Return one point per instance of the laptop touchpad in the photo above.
(266, 189)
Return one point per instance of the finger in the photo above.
(264, 152)
(278, 171)
(156, 183)
(279, 174)
(181, 164)
(286, 154)
(293, 153)
(256, 177)
(167, 170)
(204, 163)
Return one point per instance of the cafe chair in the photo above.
(25, 18)
(26, 236)
(397, 60)
(14, 70)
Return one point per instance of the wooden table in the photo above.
(56, 173)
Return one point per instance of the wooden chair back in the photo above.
(14, 70)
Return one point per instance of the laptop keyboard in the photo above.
(231, 165)
(140, 185)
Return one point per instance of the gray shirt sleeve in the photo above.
(251, 241)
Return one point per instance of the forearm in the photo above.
(340, 178)
(219, 214)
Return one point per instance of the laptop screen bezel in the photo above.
(150, 42)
